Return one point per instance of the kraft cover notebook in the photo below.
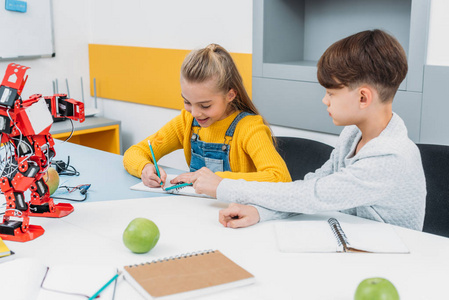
(186, 276)
(185, 190)
(336, 233)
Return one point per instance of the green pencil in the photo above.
(154, 160)
(105, 286)
(180, 185)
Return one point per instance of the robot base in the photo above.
(61, 210)
(34, 231)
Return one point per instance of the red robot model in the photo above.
(26, 152)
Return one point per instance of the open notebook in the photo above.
(337, 233)
(186, 190)
(67, 281)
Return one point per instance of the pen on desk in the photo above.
(105, 286)
(115, 286)
(178, 186)
(154, 161)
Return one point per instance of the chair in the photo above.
(435, 160)
(302, 155)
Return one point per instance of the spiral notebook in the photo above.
(324, 233)
(186, 276)
(185, 190)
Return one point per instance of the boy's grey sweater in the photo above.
(384, 181)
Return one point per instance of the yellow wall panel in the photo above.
(146, 75)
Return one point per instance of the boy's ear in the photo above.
(365, 97)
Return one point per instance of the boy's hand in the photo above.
(239, 215)
(183, 178)
(149, 176)
(206, 182)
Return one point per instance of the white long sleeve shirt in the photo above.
(384, 181)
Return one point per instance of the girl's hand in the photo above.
(149, 176)
(238, 215)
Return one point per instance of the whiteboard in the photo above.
(26, 34)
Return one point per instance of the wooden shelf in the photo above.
(95, 132)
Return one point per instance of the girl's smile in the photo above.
(202, 122)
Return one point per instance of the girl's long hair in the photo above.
(214, 62)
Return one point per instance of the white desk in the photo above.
(93, 233)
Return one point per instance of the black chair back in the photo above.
(302, 155)
(435, 160)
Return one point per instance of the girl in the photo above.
(220, 128)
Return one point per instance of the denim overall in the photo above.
(214, 156)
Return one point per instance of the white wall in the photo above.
(173, 24)
(438, 44)
(176, 24)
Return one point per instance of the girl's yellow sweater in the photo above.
(252, 156)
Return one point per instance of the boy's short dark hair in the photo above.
(369, 57)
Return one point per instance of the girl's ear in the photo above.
(231, 95)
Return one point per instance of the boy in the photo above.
(375, 170)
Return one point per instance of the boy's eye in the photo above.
(186, 103)
(205, 106)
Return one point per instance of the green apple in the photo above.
(51, 178)
(376, 289)
(141, 235)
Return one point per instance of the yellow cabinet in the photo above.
(95, 132)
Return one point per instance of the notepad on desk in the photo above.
(187, 276)
(333, 234)
(4, 250)
(5, 253)
(184, 190)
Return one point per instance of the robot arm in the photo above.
(62, 107)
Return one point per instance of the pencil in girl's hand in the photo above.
(154, 161)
